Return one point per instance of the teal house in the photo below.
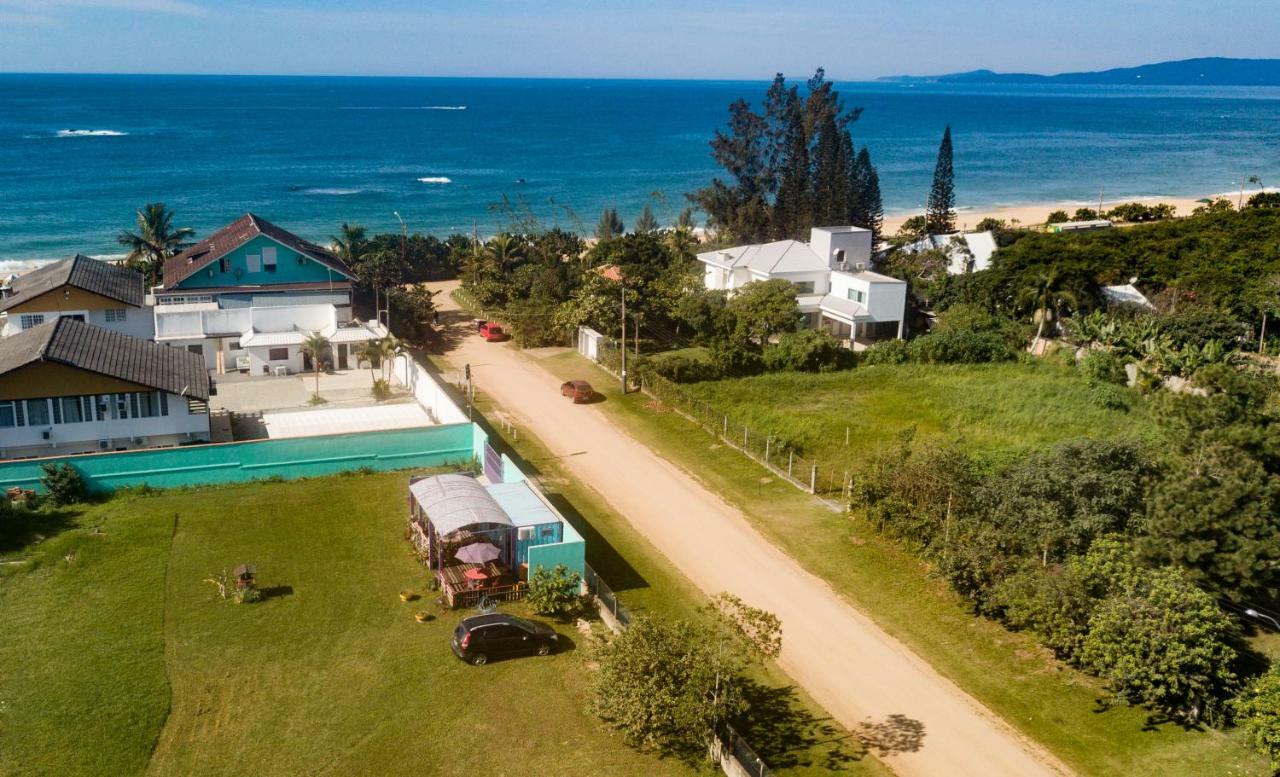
(254, 263)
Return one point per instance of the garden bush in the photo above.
(1104, 367)
(887, 352)
(555, 592)
(806, 351)
(959, 347)
(688, 365)
(63, 483)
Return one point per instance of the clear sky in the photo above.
(853, 39)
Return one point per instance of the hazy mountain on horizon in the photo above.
(1203, 71)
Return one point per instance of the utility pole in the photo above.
(404, 259)
(1100, 191)
(1240, 202)
(623, 341)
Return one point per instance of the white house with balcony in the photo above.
(262, 340)
(835, 287)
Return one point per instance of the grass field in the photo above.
(1008, 672)
(986, 408)
(118, 659)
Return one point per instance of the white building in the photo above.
(71, 387)
(261, 340)
(80, 288)
(966, 251)
(834, 287)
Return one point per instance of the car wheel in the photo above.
(479, 659)
(544, 649)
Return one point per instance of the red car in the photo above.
(577, 390)
(492, 332)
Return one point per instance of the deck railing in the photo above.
(470, 597)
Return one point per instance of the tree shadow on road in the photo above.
(896, 733)
(785, 734)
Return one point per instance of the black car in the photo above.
(482, 637)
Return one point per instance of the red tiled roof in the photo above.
(236, 234)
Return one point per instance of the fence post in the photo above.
(791, 460)
(744, 437)
(813, 480)
(767, 442)
(726, 427)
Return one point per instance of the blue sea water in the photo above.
(79, 153)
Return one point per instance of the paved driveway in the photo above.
(860, 674)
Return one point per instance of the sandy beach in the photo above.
(1030, 215)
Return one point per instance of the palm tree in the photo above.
(505, 251)
(387, 348)
(371, 351)
(350, 244)
(315, 346)
(155, 241)
(1045, 298)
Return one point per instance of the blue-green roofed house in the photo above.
(254, 263)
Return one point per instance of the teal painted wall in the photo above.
(572, 552)
(287, 269)
(239, 462)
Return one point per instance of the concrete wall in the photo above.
(137, 321)
(261, 363)
(430, 394)
(245, 461)
(854, 241)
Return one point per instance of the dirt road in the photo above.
(866, 679)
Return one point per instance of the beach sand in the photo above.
(1031, 215)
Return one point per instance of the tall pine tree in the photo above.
(792, 207)
(870, 211)
(940, 212)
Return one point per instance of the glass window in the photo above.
(102, 406)
(804, 287)
(122, 407)
(278, 354)
(148, 403)
(269, 258)
(37, 412)
(234, 345)
(72, 410)
(196, 349)
(857, 296)
(8, 415)
(29, 320)
(224, 264)
(116, 314)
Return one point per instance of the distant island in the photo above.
(1205, 71)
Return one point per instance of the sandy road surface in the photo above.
(865, 678)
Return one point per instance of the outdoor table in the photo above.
(475, 577)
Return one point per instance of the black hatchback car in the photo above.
(482, 637)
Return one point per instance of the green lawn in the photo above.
(1051, 703)
(118, 658)
(988, 408)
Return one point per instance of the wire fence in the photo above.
(742, 760)
(607, 598)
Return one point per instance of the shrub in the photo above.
(381, 389)
(959, 347)
(555, 592)
(887, 352)
(736, 359)
(689, 365)
(1104, 367)
(806, 351)
(63, 483)
(1057, 217)
(1109, 396)
(1258, 713)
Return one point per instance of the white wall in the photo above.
(821, 279)
(75, 438)
(260, 362)
(854, 241)
(137, 321)
(885, 300)
(430, 394)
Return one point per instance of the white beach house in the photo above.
(835, 288)
(966, 251)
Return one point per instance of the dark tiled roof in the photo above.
(82, 272)
(236, 234)
(102, 351)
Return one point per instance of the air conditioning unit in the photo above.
(46, 434)
(104, 445)
(139, 440)
(524, 533)
(860, 266)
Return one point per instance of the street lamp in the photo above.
(1272, 622)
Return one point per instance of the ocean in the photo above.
(79, 153)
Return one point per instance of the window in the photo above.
(28, 320)
(72, 410)
(278, 354)
(253, 262)
(115, 315)
(804, 287)
(224, 265)
(8, 414)
(102, 407)
(269, 258)
(149, 404)
(196, 349)
(857, 296)
(122, 407)
(234, 345)
(37, 412)
(75, 317)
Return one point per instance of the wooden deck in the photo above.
(501, 585)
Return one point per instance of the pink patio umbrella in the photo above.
(478, 553)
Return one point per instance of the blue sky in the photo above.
(853, 39)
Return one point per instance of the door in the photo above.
(306, 361)
(342, 356)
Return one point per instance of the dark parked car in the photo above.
(577, 390)
(482, 637)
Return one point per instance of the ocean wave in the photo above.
(442, 108)
(435, 179)
(89, 133)
(403, 108)
(331, 191)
